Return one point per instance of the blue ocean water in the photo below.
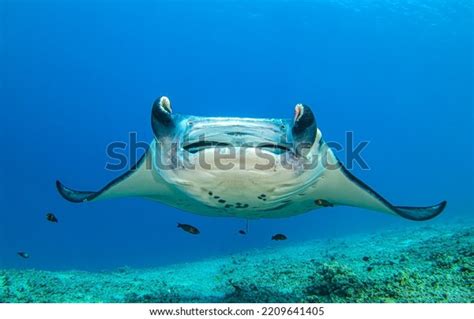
(78, 75)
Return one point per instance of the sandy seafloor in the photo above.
(422, 263)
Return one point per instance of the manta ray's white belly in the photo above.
(239, 185)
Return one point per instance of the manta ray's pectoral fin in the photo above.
(373, 200)
(74, 195)
(138, 181)
(340, 187)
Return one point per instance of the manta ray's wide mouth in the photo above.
(203, 145)
(200, 146)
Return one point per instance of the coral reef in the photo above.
(418, 264)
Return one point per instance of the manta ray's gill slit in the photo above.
(282, 205)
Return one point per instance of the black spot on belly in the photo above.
(210, 193)
(221, 201)
(228, 206)
(217, 197)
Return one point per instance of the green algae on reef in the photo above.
(431, 263)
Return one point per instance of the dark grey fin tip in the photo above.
(75, 196)
(408, 212)
(420, 213)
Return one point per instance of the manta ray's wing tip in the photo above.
(73, 195)
(61, 188)
(420, 213)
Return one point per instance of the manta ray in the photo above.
(243, 167)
